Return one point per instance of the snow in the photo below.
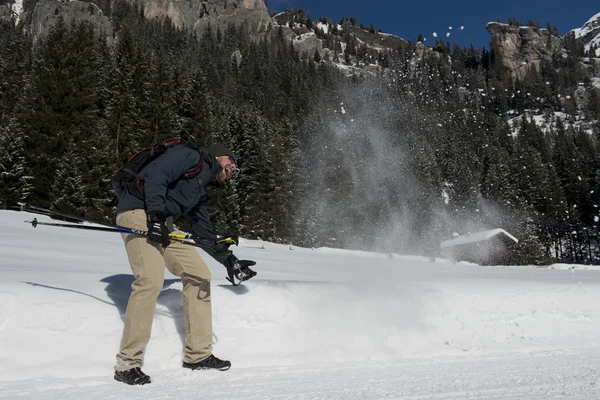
(314, 324)
(323, 27)
(575, 266)
(304, 37)
(388, 34)
(591, 25)
(476, 237)
(595, 41)
(587, 27)
(17, 9)
(543, 122)
(446, 192)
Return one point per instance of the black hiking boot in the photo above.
(211, 362)
(133, 376)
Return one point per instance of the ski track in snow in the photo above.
(314, 324)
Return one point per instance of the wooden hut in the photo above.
(493, 247)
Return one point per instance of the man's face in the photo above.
(228, 168)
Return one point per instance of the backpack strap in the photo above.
(195, 171)
(130, 171)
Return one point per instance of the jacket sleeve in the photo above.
(204, 234)
(164, 170)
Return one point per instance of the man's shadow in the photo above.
(118, 289)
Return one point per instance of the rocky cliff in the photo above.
(47, 12)
(10, 9)
(519, 49)
(353, 48)
(197, 15)
(39, 15)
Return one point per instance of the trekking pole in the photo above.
(111, 228)
(177, 237)
(174, 237)
(54, 214)
(226, 238)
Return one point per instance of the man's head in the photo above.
(227, 160)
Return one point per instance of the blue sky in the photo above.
(407, 18)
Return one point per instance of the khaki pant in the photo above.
(147, 261)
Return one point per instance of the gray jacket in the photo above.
(167, 191)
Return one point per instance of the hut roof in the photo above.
(477, 237)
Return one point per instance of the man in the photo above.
(174, 184)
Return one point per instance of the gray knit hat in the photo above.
(217, 150)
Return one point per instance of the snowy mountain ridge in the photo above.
(590, 33)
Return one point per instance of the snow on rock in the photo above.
(588, 27)
(388, 35)
(590, 33)
(307, 44)
(17, 10)
(323, 27)
(543, 122)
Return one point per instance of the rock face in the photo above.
(47, 13)
(198, 15)
(307, 44)
(10, 10)
(5, 12)
(521, 48)
(195, 15)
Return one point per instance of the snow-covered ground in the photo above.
(314, 324)
(547, 124)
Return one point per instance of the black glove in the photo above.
(228, 240)
(238, 270)
(157, 228)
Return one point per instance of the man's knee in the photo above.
(148, 285)
(202, 284)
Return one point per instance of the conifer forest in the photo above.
(434, 142)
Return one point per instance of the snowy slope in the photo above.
(323, 323)
(590, 32)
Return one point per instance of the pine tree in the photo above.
(531, 249)
(15, 62)
(123, 113)
(67, 193)
(61, 101)
(15, 175)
